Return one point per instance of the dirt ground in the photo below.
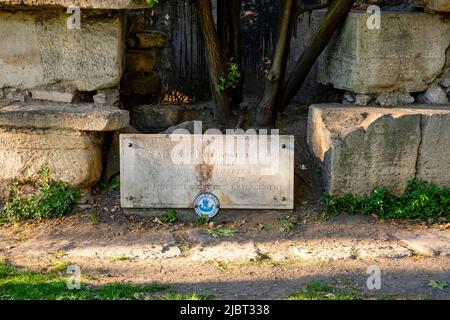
(260, 260)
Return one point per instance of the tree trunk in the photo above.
(336, 15)
(229, 30)
(275, 77)
(217, 64)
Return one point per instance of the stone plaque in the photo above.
(244, 171)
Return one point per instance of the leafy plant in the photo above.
(232, 79)
(169, 216)
(152, 3)
(54, 199)
(421, 200)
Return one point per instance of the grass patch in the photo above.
(26, 285)
(169, 216)
(61, 267)
(222, 232)
(421, 200)
(53, 200)
(188, 296)
(316, 290)
(120, 258)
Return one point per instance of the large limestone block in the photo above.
(86, 4)
(406, 54)
(433, 162)
(363, 148)
(38, 50)
(45, 115)
(438, 5)
(73, 157)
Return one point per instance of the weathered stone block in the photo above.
(406, 54)
(45, 115)
(151, 39)
(140, 61)
(433, 161)
(438, 5)
(39, 50)
(107, 97)
(154, 118)
(142, 84)
(56, 96)
(363, 148)
(73, 157)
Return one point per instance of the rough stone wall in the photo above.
(141, 83)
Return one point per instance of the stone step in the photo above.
(54, 115)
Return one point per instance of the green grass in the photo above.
(315, 290)
(222, 232)
(188, 296)
(421, 200)
(26, 285)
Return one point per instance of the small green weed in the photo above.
(288, 223)
(169, 216)
(111, 185)
(435, 284)
(204, 219)
(94, 219)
